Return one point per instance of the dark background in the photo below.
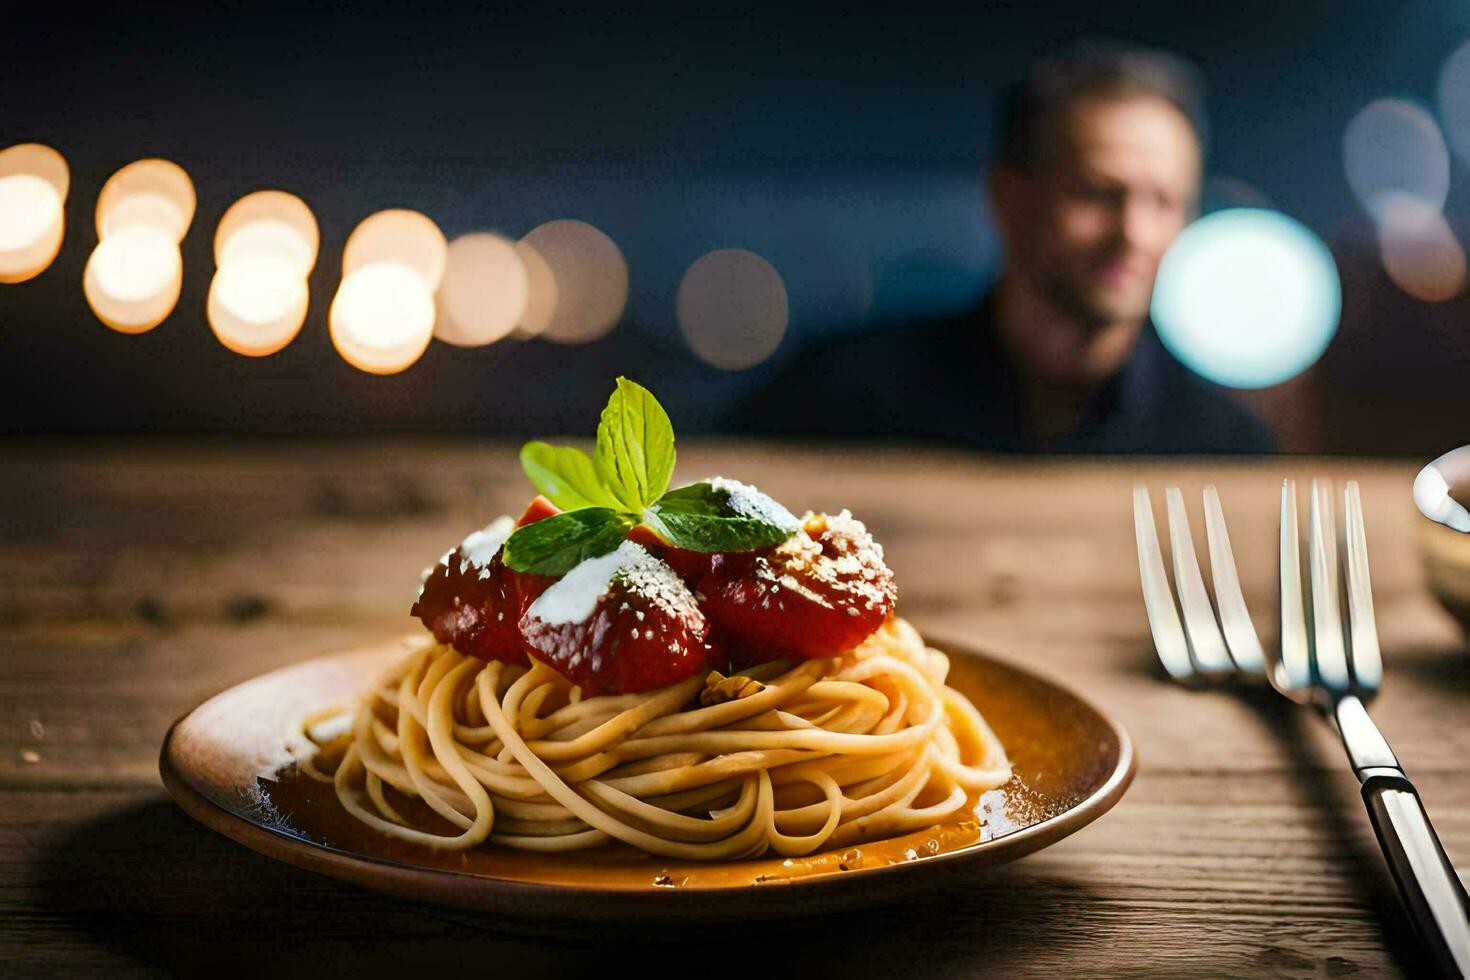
(846, 148)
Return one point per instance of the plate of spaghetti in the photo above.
(688, 701)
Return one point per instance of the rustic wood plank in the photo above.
(88, 704)
(184, 534)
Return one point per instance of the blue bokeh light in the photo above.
(1247, 297)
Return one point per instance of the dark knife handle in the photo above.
(1431, 890)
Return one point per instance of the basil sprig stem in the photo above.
(625, 483)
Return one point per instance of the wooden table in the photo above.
(137, 578)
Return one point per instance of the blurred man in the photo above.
(1098, 170)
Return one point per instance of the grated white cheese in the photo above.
(747, 501)
(477, 550)
(574, 596)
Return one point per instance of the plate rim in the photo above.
(397, 877)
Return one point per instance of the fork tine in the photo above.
(1158, 601)
(1200, 627)
(1294, 672)
(1327, 645)
(1235, 619)
(1362, 625)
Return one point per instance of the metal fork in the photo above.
(1325, 659)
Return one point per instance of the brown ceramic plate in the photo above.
(228, 764)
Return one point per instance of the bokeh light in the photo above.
(152, 192)
(732, 308)
(133, 278)
(257, 305)
(400, 236)
(134, 275)
(33, 184)
(591, 278)
(1247, 298)
(540, 293)
(265, 247)
(382, 317)
(484, 292)
(39, 160)
(1393, 146)
(1420, 251)
(1454, 99)
(269, 222)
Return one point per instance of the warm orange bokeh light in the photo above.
(403, 237)
(133, 278)
(134, 275)
(1420, 251)
(484, 292)
(591, 280)
(382, 317)
(540, 293)
(272, 222)
(732, 308)
(265, 247)
(33, 184)
(257, 305)
(153, 192)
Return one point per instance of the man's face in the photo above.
(1093, 222)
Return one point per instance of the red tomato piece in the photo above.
(817, 594)
(538, 510)
(691, 566)
(473, 602)
(620, 624)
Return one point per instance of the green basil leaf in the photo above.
(635, 446)
(703, 517)
(556, 545)
(566, 476)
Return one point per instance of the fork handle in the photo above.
(1427, 881)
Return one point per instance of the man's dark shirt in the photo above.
(949, 382)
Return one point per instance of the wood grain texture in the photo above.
(136, 579)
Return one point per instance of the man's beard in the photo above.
(1092, 313)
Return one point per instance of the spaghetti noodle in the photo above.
(789, 756)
